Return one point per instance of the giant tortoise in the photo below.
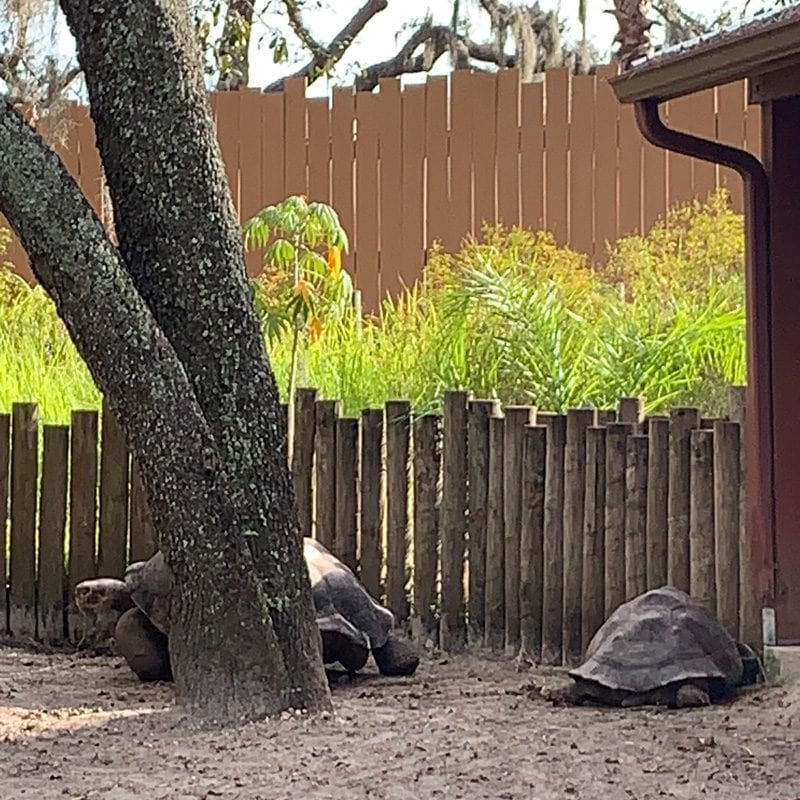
(351, 623)
(664, 647)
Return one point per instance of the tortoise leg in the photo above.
(337, 646)
(397, 657)
(143, 646)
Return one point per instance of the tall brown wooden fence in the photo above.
(513, 529)
(406, 167)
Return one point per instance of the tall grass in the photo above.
(511, 316)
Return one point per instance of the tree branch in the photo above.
(323, 58)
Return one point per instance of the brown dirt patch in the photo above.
(467, 728)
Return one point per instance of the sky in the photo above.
(384, 34)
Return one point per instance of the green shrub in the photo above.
(511, 315)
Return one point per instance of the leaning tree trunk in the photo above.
(181, 243)
(226, 659)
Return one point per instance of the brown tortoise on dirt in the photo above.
(664, 647)
(350, 622)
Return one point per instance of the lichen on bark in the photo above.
(181, 243)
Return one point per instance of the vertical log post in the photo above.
(114, 482)
(305, 424)
(24, 485)
(398, 465)
(534, 466)
(517, 417)
(346, 534)
(636, 517)
(578, 421)
(749, 616)
(657, 501)
(326, 414)
(52, 529)
(593, 576)
(681, 424)
(495, 612)
(553, 577)
(701, 518)
(616, 462)
(82, 509)
(372, 499)
(478, 415)
(427, 486)
(727, 489)
(453, 530)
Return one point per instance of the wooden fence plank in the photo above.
(581, 169)
(427, 487)
(702, 108)
(143, 536)
(367, 232)
(532, 156)
(390, 197)
(682, 422)
(346, 535)
(701, 518)
(342, 160)
(460, 217)
(5, 469)
(294, 136)
(398, 465)
(531, 577)
(250, 167)
(114, 476)
(437, 198)
(578, 420)
(606, 209)
(495, 613)
(228, 108)
(727, 488)
(24, 485)
(305, 428)
(517, 418)
(507, 133)
(82, 509)
(484, 97)
(553, 593)
(452, 629)
(657, 501)
(636, 516)
(273, 157)
(478, 415)
(412, 210)
(593, 573)
(319, 151)
(327, 411)
(731, 110)
(372, 498)
(52, 529)
(630, 410)
(631, 155)
(679, 168)
(557, 89)
(616, 443)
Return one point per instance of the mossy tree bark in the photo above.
(167, 328)
(181, 243)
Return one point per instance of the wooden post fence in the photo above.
(512, 529)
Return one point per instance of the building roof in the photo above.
(767, 43)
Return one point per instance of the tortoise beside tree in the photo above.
(351, 624)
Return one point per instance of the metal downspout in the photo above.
(759, 430)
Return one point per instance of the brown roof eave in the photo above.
(752, 50)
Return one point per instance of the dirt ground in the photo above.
(461, 728)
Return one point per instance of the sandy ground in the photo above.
(461, 728)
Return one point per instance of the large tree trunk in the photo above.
(181, 243)
(226, 659)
